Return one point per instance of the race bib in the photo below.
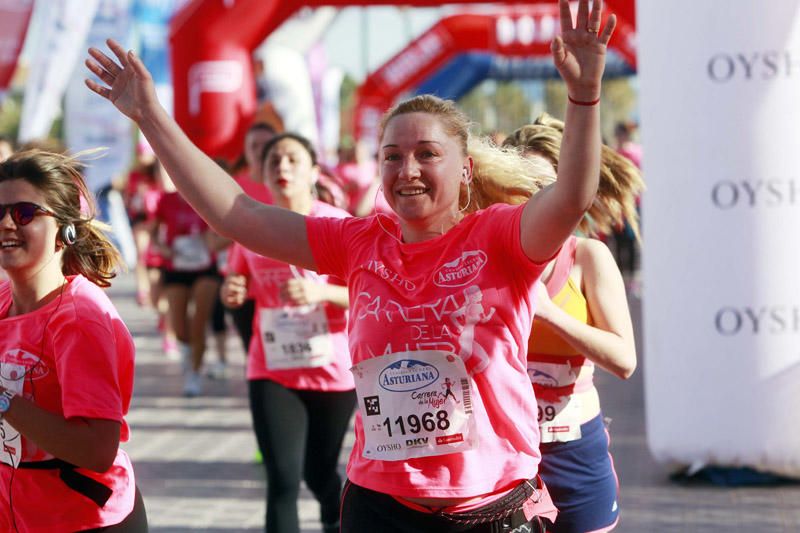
(296, 337)
(415, 404)
(190, 254)
(559, 421)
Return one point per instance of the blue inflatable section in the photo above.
(467, 70)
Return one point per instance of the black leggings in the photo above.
(243, 320)
(218, 316)
(300, 434)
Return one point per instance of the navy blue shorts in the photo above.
(581, 480)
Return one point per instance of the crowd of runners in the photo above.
(458, 313)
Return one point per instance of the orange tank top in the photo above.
(554, 365)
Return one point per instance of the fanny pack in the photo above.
(80, 483)
(512, 510)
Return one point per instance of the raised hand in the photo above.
(128, 84)
(579, 52)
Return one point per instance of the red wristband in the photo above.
(580, 102)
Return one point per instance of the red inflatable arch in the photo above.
(517, 32)
(211, 44)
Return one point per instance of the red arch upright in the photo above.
(525, 32)
(211, 44)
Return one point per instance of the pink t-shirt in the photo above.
(177, 219)
(468, 292)
(73, 357)
(266, 277)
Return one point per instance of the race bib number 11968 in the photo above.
(415, 404)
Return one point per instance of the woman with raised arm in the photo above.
(66, 358)
(582, 320)
(423, 459)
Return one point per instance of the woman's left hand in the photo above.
(579, 53)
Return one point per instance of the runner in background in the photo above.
(422, 463)
(582, 319)
(154, 261)
(66, 358)
(141, 192)
(190, 277)
(626, 240)
(301, 388)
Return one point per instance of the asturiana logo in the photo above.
(461, 271)
(407, 375)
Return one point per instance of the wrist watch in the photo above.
(5, 401)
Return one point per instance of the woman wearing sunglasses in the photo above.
(66, 358)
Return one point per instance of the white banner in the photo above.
(304, 29)
(719, 84)
(63, 28)
(288, 85)
(91, 123)
(330, 115)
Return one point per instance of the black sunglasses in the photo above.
(23, 213)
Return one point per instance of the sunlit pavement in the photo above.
(194, 458)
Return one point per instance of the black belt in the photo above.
(80, 483)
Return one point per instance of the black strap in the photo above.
(80, 483)
(509, 508)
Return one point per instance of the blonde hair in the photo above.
(620, 180)
(59, 178)
(498, 175)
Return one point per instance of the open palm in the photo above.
(128, 84)
(579, 53)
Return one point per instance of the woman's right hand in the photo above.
(234, 290)
(129, 85)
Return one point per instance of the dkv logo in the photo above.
(461, 271)
(407, 375)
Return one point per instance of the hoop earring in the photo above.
(469, 199)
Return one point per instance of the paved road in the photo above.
(194, 458)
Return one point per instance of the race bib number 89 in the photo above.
(415, 404)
